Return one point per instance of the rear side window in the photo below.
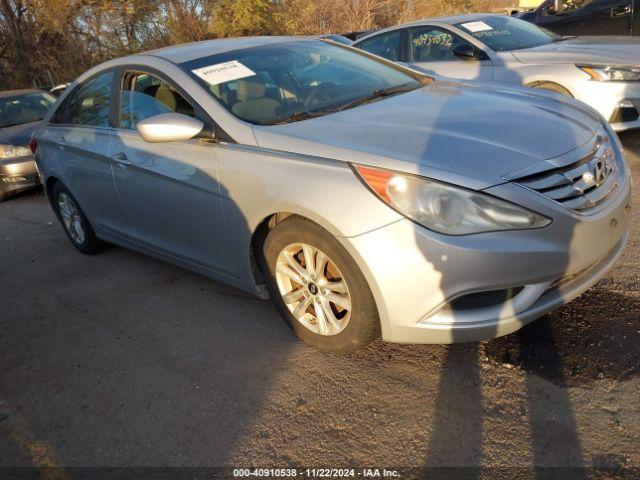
(88, 105)
(145, 95)
(386, 45)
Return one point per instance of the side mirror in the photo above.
(169, 127)
(467, 51)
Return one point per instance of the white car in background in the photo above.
(603, 72)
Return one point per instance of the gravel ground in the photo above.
(121, 360)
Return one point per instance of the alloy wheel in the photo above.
(71, 218)
(313, 289)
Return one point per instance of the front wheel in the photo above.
(318, 288)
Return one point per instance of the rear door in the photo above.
(588, 17)
(170, 190)
(77, 142)
(431, 49)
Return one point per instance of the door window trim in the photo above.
(200, 113)
(64, 105)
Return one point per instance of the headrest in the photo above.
(167, 97)
(250, 89)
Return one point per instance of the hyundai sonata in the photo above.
(364, 198)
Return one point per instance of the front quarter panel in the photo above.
(257, 183)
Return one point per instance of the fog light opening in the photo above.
(477, 300)
(626, 111)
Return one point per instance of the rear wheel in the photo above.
(318, 288)
(4, 196)
(74, 222)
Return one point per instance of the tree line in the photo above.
(46, 42)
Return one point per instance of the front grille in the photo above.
(582, 185)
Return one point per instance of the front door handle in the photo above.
(120, 157)
(621, 11)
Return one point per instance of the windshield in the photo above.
(291, 81)
(26, 108)
(504, 34)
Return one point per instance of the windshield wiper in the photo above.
(376, 94)
(297, 116)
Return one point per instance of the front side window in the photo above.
(25, 108)
(566, 6)
(144, 95)
(89, 104)
(429, 44)
(292, 81)
(386, 45)
(504, 34)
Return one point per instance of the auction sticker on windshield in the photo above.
(475, 27)
(224, 72)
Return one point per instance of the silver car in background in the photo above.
(603, 72)
(364, 198)
(20, 112)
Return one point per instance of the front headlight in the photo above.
(611, 74)
(444, 208)
(9, 151)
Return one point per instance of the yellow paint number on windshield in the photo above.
(428, 39)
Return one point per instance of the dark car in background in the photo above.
(20, 113)
(587, 17)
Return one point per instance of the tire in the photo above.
(74, 222)
(4, 196)
(553, 87)
(338, 280)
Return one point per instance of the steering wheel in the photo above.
(324, 89)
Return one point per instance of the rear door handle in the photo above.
(621, 10)
(61, 142)
(121, 157)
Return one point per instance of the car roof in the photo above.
(193, 51)
(453, 19)
(449, 20)
(15, 93)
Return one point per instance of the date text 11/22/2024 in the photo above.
(315, 473)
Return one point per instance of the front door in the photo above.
(430, 49)
(170, 190)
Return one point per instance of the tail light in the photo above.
(33, 145)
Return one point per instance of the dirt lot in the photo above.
(120, 360)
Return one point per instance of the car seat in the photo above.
(253, 104)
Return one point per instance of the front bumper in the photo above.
(415, 274)
(18, 174)
(614, 100)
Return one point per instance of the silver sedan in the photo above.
(363, 198)
(20, 113)
(603, 72)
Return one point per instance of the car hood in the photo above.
(469, 134)
(17, 135)
(607, 50)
